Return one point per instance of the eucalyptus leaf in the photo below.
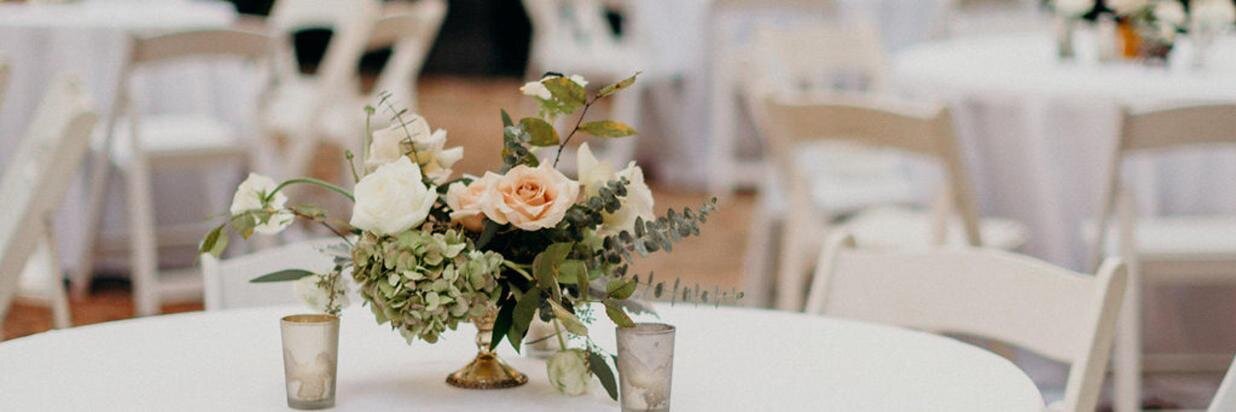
(506, 119)
(616, 314)
(599, 368)
(282, 276)
(607, 128)
(614, 88)
(570, 272)
(569, 321)
(210, 244)
(543, 133)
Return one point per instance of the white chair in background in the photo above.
(227, 284)
(810, 59)
(984, 293)
(787, 122)
(574, 37)
(141, 143)
(33, 184)
(1162, 250)
(1225, 397)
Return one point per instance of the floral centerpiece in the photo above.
(1148, 29)
(427, 251)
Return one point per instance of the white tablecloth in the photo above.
(91, 39)
(1039, 135)
(725, 360)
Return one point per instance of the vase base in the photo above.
(487, 371)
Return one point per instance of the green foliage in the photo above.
(607, 128)
(570, 94)
(282, 276)
(541, 132)
(215, 241)
(600, 369)
(614, 88)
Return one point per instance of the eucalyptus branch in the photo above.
(578, 122)
(558, 333)
(398, 116)
(312, 181)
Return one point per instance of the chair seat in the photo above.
(1178, 237)
(844, 179)
(898, 228)
(165, 136)
(291, 111)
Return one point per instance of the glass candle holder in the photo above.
(645, 366)
(310, 359)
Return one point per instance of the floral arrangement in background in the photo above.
(1149, 28)
(427, 251)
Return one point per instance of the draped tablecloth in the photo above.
(91, 39)
(1039, 134)
(724, 360)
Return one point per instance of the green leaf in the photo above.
(568, 319)
(570, 272)
(566, 91)
(215, 242)
(621, 289)
(244, 224)
(614, 88)
(506, 119)
(487, 234)
(522, 317)
(607, 128)
(543, 134)
(545, 265)
(601, 369)
(616, 314)
(502, 324)
(282, 276)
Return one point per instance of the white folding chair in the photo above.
(227, 284)
(810, 59)
(309, 109)
(1162, 250)
(573, 37)
(927, 131)
(33, 184)
(145, 142)
(1062, 315)
(1225, 397)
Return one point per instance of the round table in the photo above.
(91, 40)
(725, 359)
(1039, 134)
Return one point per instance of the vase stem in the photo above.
(487, 370)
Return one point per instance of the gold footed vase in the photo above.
(487, 370)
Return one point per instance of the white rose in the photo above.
(392, 199)
(1170, 12)
(1213, 14)
(435, 161)
(465, 202)
(536, 89)
(250, 195)
(568, 371)
(1127, 7)
(1073, 8)
(529, 198)
(637, 203)
(386, 147)
(318, 298)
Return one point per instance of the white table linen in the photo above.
(725, 360)
(91, 39)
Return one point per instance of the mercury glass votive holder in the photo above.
(645, 366)
(310, 359)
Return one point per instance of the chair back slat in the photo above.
(1178, 127)
(38, 174)
(818, 58)
(409, 30)
(1060, 314)
(226, 281)
(198, 43)
(1225, 397)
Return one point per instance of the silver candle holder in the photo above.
(645, 366)
(310, 359)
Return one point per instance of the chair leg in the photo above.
(100, 174)
(758, 265)
(1127, 360)
(58, 297)
(142, 248)
(790, 269)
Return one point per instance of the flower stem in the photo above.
(312, 181)
(576, 129)
(558, 334)
(516, 267)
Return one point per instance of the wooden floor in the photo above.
(468, 109)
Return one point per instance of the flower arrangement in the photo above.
(427, 252)
(1149, 28)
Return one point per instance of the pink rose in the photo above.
(465, 202)
(529, 198)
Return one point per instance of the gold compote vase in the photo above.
(487, 370)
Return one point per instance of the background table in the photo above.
(725, 359)
(91, 40)
(1039, 134)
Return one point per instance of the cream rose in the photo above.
(637, 203)
(529, 198)
(1170, 12)
(392, 199)
(434, 159)
(465, 203)
(568, 371)
(536, 89)
(251, 195)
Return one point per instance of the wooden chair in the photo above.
(328, 105)
(142, 143)
(1062, 315)
(805, 60)
(920, 130)
(227, 284)
(1225, 397)
(1188, 250)
(33, 184)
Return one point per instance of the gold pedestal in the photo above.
(487, 370)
